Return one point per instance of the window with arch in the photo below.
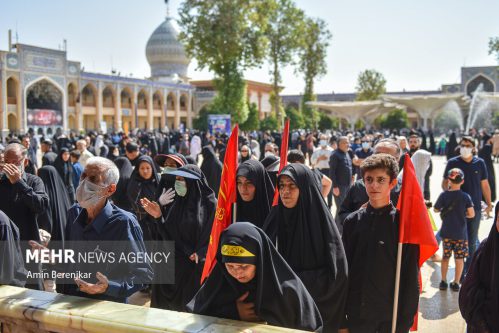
(71, 95)
(126, 99)
(88, 96)
(473, 85)
(170, 101)
(183, 103)
(142, 100)
(156, 101)
(108, 98)
(12, 91)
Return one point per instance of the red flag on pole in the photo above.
(414, 226)
(226, 197)
(284, 157)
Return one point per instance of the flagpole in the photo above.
(234, 212)
(397, 287)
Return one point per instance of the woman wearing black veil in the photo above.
(165, 192)
(250, 270)
(65, 169)
(255, 193)
(451, 147)
(188, 224)
(211, 167)
(486, 154)
(120, 197)
(308, 239)
(479, 296)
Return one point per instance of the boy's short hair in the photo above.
(75, 154)
(380, 161)
(296, 156)
(467, 139)
(455, 175)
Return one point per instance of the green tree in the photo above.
(226, 37)
(395, 119)
(296, 120)
(326, 122)
(284, 30)
(269, 123)
(370, 85)
(312, 64)
(253, 122)
(494, 47)
(201, 122)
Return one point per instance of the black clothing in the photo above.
(65, 170)
(12, 271)
(486, 154)
(257, 210)
(357, 196)
(139, 188)
(188, 224)
(279, 296)
(270, 164)
(212, 168)
(309, 241)
(370, 237)
(340, 168)
(451, 147)
(54, 220)
(167, 182)
(120, 197)
(49, 158)
(479, 296)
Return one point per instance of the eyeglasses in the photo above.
(379, 180)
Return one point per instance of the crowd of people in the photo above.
(292, 264)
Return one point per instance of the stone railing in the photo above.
(29, 311)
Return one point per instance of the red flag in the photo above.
(415, 225)
(226, 197)
(284, 157)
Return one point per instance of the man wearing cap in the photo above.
(132, 153)
(48, 155)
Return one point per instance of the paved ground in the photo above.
(438, 310)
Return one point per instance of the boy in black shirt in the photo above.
(454, 206)
(370, 238)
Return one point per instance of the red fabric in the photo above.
(284, 158)
(415, 225)
(226, 197)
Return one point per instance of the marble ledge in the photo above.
(30, 311)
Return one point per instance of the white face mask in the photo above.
(466, 152)
(366, 145)
(323, 143)
(268, 153)
(87, 194)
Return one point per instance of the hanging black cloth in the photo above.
(279, 296)
(257, 210)
(309, 241)
(451, 146)
(65, 170)
(12, 271)
(479, 296)
(211, 167)
(188, 224)
(120, 197)
(139, 188)
(486, 154)
(54, 219)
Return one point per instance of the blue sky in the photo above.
(417, 45)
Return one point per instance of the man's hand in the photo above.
(246, 310)
(151, 207)
(93, 289)
(488, 210)
(336, 191)
(12, 172)
(343, 330)
(194, 257)
(167, 197)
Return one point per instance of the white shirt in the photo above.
(84, 157)
(323, 164)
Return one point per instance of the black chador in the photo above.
(279, 297)
(188, 224)
(257, 210)
(211, 167)
(370, 237)
(309, 241)
(12, 270)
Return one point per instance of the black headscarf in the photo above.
(65, 170)
(167, 181)
(120, 197)
(211, 167)
(139, 188)
(55, 217)
(269, 162)
(451, 146)
(257, 210)
(188, 224)
(12, 271)
(309, 241)
(279, 296)
(479, 296)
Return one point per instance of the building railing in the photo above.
(29, 311)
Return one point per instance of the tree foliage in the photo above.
(226, 37)
(395, 119)
(370, 85)
(269, 123)
(253, 122)
(494, 47)
(296, 120)
(312, 65)
(201, 121)
(326, 122)
(284, 31)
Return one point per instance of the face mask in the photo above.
(167, 169)
(87, 194)
(268, 153)
(181, 187)
(366, 145)
(323, 143)
(466, 152)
